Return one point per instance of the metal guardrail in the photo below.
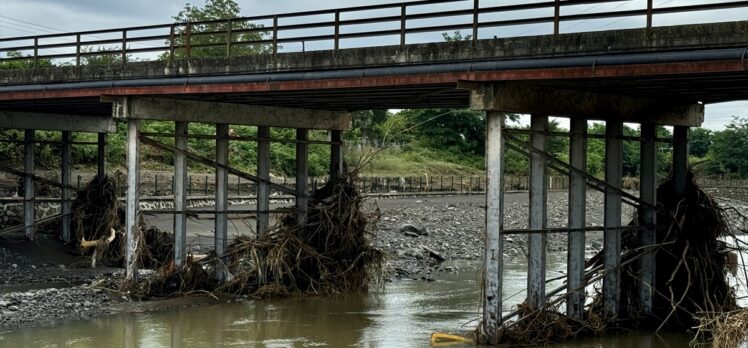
(181, 40)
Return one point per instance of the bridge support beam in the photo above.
(222, 203)
(612, 218)
(524, 99)
(65, 175)
(180, 194)
(538, 203)
(302, 174)
(647, 214)
(28, 183)
(166, 109)
(577, 219)
(494, 253)
(132, 227)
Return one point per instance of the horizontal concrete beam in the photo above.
(56, 122)
(167, 109)
(529, 99)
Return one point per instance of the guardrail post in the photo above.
(275, 36)
(556, 17)
(36, 52)
(337, 30)
(188, 41)
(650, 12)
(171, 43)
(124, 47)
(403, 23)
(78, 50)
(229, 38)
(476, 14)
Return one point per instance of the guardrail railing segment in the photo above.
(267, 34)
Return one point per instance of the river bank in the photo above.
(45, 285)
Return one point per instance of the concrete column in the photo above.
(493, 256)
(612, 234)
(263, 172)
(336, 155)
(680, 158)
(28, 183)
(222, 203)
(302, 172)
(132, 228)
(538, 203)
(101, 164)
(180, 194)
(647, 214)
(65, 176)
(577, 218)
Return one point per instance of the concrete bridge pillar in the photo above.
(180, 193)
(65, 176)
(101, 160)
(302, 173)
(132, 226)
(498, 99)
(680, 158)
(222, 204)
(28, 183)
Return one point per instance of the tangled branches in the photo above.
(330, 254)
(693, 259)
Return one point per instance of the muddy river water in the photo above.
(402, 314)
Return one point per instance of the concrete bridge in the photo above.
(239, 71)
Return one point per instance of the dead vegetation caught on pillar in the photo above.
(331, 254)
(98, 228)
(696, 257)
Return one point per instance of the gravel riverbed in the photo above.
(42, 285)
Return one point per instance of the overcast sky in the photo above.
(27, 17)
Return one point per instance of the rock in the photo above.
(4, 304)
(420, 230)
(13, 308)
(14, 265)
(411, 234)
(433, 253)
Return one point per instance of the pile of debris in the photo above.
(330, 253)
(98, 223)
(692, 289)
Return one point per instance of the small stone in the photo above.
(13, 308)
(411, 234)
(14, 265)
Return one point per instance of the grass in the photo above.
(406, 162)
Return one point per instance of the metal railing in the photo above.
(182, 40)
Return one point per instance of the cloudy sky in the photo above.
(28, 17)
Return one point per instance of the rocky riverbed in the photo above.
(41, 282)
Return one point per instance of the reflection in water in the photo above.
(404, 314)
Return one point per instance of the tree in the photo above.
(729, 148)
(215, 44)
(700, 140)
(22, 63)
